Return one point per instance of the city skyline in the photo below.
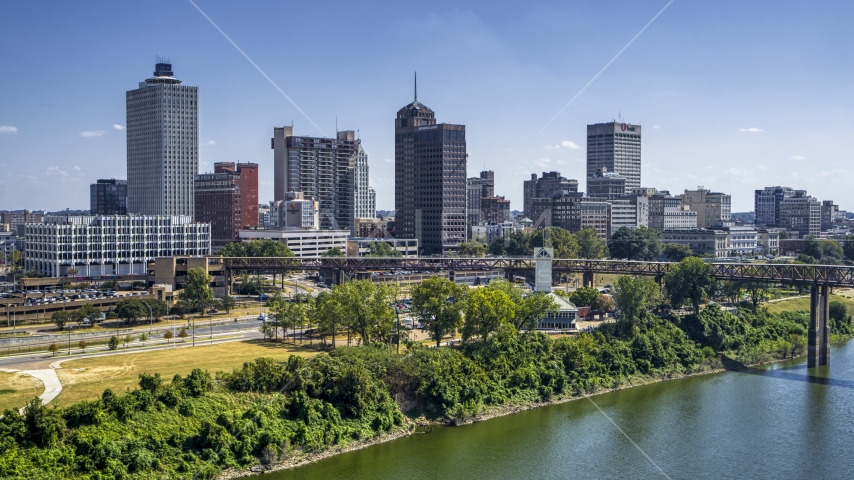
(766, 108)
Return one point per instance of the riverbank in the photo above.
(300, 459)
(304, 458)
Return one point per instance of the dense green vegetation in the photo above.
(267, 411)
(583, 244)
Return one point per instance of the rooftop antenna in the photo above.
(336, 125)
(416, 86)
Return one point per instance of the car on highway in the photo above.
(262, 317)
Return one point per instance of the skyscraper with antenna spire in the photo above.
(430, 178)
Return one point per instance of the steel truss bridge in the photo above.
(830, 275)
(820, 278)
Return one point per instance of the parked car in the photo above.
(262, 317)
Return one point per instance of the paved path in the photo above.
(48, 377)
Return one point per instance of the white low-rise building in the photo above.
(302, 241)
(563, 319)
(111, 244)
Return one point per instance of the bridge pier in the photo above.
(818, 339)
(587, 279)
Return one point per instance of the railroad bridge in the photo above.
(819, 278)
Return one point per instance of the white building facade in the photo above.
(162, 145)
(111, 245)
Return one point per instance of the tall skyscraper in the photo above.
(551, 184)
(362, 201)
(323, 169)
(162, 144)
(108, 197)
(617, 147)
(430, 179)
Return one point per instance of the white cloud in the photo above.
(564, 145)
(8, 129)
(543, 162)
(388, 160)
(210, 142)
(91, 133)
(797, 157)
(56, 171)
(76, 168)
(656, 127)
(751, 130)
(118, 127)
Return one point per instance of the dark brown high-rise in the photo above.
(430, 179)
(228, 200)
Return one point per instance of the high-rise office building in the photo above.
(713, 208)
(362, 200)
(228, 200)
(323, 169)
(162, 145)
(430, 179)
(478, 188)
(108, 197)
(605, 185)
(617, 147)
(372, 202)
(551, 184)
(785, 207)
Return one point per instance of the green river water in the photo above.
(778, 421)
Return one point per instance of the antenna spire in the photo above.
(416, 86)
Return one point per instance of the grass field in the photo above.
(16, 389)
(803, 304)
(87, 378)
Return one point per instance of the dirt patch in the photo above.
(16, 389)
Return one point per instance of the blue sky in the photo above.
(732, 95)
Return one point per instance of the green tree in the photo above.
(60, 318)
(327, 314)
(167, 335)
(89, 311)
(227, 302)
(368, 308)
(131, 310)
(584, 296)
(53, 348)
(197, 291)
(517, 242)
(382, 249)
(256, 248)
(676, 251)
(496, 246)
(471, 249)
(511, 289)
(604, 303)
(634, 296)
(438, 304)
(179, 308)
(83, 344)
(848, 247)
(182, 334)
(143, 338)
(564, 243)
(127, 339)
(688, 280)
(757, 291)
(590, 245)
(109, 285)
(635, 244)
(486, 311)
(289, 315)
(113, 343)
(533, 308)
(333, 252)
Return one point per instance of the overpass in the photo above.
(820, 278)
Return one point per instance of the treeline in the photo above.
(267, 411)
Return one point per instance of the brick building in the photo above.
(228, 200)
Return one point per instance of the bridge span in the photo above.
(820, 278)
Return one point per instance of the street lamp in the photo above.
(150, 316)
